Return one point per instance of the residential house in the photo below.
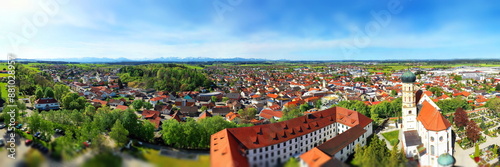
(47, 104)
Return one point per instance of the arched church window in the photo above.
(432, 139)
(409, 112)
(441, 138)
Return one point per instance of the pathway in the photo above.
(385, 130)
(462, 156)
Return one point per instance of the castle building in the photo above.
(427, 135)
(321, 138)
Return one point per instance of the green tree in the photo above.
(10, 113)
(451, 105)
(224, 99)
(214, 98)
(397, 158)
(318, 104)
(49, 92)
(248, 113)
(147, 131)
(290, 112)
(304, 107)
(394, 93)
(39, 92)
(171, 135)
(204, 108)
(119, 134)
(493, 105)
(60, 90)
(147, 105)
(292, 162)
(137, 104)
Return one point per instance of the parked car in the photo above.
(19, 126)
(28, 142)
(37, 134)
(2, 142)
(2, 126)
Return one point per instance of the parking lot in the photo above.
(20, 150)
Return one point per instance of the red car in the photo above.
(28, 142)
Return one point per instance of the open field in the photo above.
(3, 88)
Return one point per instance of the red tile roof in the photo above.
(100, 101)
(225, 151)
(266, 113)
(334, 145)
(150, 114)
(156, 122)
(431, 118)
(45, 101)
(157, 99)
(315, 157)
(121, 107)
(272, 96)
(274, 133)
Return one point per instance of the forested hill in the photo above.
(169, 77)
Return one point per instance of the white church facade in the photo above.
(426, 133)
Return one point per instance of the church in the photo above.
(426, 134)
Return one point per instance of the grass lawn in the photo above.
(104, 160)
(392, 137)
(153, 156)
(3, 88)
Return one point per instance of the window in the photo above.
(432, 149)
(432, 139)
(267, 148)
(272, 147)
(441, 138)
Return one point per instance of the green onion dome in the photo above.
(446, 160)
(408, 77)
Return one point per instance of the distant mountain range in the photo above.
(161, 59)
(236, 59)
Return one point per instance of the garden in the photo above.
(483, 156)
(392, 137)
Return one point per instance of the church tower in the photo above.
(409, 111)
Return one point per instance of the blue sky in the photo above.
(270, 29)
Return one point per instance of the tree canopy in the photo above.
(193, 134)
(169, 77)
(451, 105)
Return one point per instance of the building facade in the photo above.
(426, 133)
(47, 104)
(273, 144)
